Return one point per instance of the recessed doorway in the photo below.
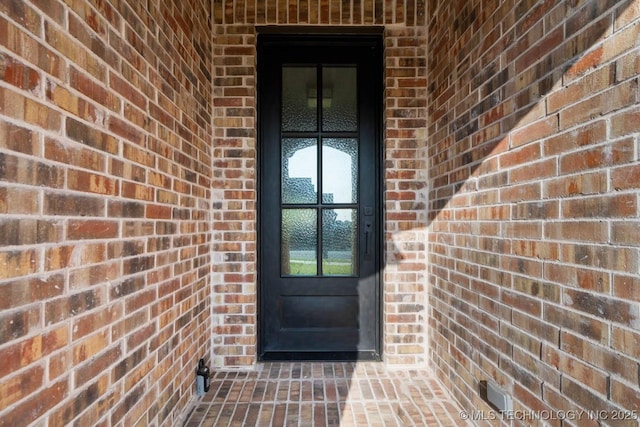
(319, 104)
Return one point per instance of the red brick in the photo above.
(16, 325)
(18, 74)
(566, 107)
(93, 90)
(627, 66)
(559, 402)
(22, 292)
(577, 230)
(576, 277)
(74, 156)
(89, 347)
(16, 232)
(87, 397)
(616, 206)
(616, 258)
(63, 204)
(181, 124)
(91, 136)
(628, 397)
(576, 185)
(25, 352)
(537, 288)
(612, 154)
(583, 65)
(625, 123)
(534, 326)
(131, 93)
(626, 341)
(53, 10)
(601, 357)
(91, 183)
(94, 321)
(29, 48)
(62, 308)
(539, 49)
(21, 386)
(16, 138)
(538, 249)
(83, 33)
(125, 130)
(92, 229)
(536, 210)
(18, 263)
(626, 233)
(584, 397)
(516, 337)
(590, 134)
(535, 171)
(135, 191)
(535, 131)
(19, 107)
(627, 177)
(570, 320)
(25, 15)
(594, 82)
(158, 212)
(66, 45)
(38, 404)
(626, 287)
(68, 168)
(614, 98)
(517, 157)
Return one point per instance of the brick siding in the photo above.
(128, 199)
(234, 168)
(534, 256)
(105, 210)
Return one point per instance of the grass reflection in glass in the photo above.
(330, 268)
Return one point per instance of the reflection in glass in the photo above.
(339, 242)
(339, 100)
(298, 113)
(339, 170)
(299, 170)
(299, 242)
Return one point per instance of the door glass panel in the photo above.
(339, 99)
(340, 170)
(299, 170)
(339, 242)
(299, 242)
(299, 99)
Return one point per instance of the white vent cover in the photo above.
(498, 398)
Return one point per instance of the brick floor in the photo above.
(340, 394)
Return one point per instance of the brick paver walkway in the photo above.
(340, 394)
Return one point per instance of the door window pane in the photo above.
(299, 99)
(299, 242)
(339, 242)
(299, 170)
(339, 170)
(339, 99)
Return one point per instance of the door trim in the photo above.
(314, 30)
(268, 36)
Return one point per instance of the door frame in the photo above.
(325, 36)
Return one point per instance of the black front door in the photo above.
(319, 227)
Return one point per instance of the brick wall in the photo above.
(234, 169)
(534, 178)
(511, 199)
(105, 189)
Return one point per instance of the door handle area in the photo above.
(368, 229)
